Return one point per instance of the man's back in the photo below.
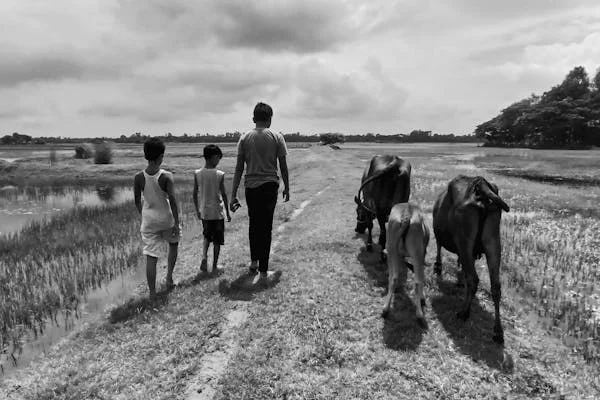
(261, 149)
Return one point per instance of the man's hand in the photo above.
(234, 205)
(286, 194)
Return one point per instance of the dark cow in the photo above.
(384, 183)
(466, 221)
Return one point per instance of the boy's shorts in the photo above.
(154, 242)
(214, 230)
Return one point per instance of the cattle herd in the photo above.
(466, 222)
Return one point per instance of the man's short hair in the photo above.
(212, 150)
(153, 148)
(263, 112)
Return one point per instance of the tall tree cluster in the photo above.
(567, 115)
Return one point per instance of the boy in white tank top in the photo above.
(209, 198)
(154, 195)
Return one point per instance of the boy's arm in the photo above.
(285, 177)
(137, 191)
(224, 196)
(239, 170)
(195, 196)
(172, 199)
(281, 156)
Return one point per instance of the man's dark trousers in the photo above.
(261, 203)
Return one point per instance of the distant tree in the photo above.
(331, 138)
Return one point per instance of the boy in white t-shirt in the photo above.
(209, 199)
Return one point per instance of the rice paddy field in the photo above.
(317, 333)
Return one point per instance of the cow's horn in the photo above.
(494, 197)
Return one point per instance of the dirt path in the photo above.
(316, 333)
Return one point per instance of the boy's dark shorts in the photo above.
(214, 230)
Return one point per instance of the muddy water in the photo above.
(94, 306)
(19, 206)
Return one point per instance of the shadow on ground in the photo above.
(474, 336)
(401, 330)
(201, 276)
(245, 286)
(136, 306)
(371, 262)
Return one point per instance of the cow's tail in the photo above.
(393, 165)
(490, 194)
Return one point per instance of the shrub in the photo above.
(331, 138)
(83, 151)
(103, 153)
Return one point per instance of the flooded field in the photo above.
(19, 206)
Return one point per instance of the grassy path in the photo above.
(317, 334)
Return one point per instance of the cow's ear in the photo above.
(356, 200)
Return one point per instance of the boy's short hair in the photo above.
(263, 112)
(153, 148)
(212, 150)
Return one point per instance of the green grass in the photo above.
(317, 334)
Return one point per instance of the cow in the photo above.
(385, 182)
(466, 222)
(407, 236)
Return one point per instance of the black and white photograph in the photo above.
(285, 199)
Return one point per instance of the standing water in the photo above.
(19, 206)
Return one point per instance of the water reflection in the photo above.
(105, 193)
(18, 205)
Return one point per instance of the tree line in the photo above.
(232, 137)
(566, 116)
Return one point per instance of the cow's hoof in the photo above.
(422, 322)
(385, 314)
(423, 304)
(369, 247)
(437, 268)
(462, 315)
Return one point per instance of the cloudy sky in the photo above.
(112, 67)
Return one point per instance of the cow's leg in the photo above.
(393, 261)
(370, 236)
(381, 218)
(467, 234)
(471, 279)
(492, 248)
(460, 279)
(415, 247)
(437, 267)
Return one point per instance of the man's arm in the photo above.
(195, 196)
(172, 199)
(285, 177)
(224, 196)
(138, 183)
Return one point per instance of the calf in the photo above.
(408, 236)
(466, 221)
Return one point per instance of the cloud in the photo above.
(286, 25)
(322, 92)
